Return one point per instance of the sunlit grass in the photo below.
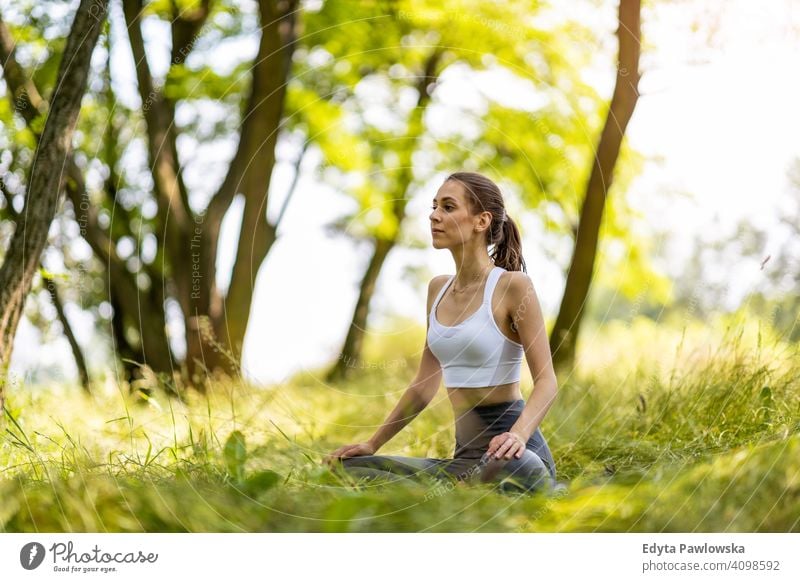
(658, 429)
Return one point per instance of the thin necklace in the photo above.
(465, 287)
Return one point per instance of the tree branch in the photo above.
(175, 214)
(186, 25)
(292, 186)
(25, 98)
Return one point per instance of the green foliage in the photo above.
(167, 8)
(321, 120)
(368, 59)
(235, 454)
(184, 83)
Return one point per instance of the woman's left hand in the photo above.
(507, 444)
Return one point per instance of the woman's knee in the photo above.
(528, 464)
(528, 471)
(366, 465)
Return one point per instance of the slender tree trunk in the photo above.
(77, 353)
(125, 352)
(354, 342)
(175, 216)
(47, 175)
(564, 336)
(52, 289)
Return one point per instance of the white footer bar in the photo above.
(399, 557)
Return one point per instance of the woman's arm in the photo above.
(421, 391)
(413, 401)
(529, 323)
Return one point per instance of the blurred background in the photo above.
(257, 176)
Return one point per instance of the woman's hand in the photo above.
(507, 444)
(355, 450)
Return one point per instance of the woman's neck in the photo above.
(471, 266)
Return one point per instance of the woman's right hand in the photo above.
(354, 450)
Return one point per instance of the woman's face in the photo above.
(452, 223)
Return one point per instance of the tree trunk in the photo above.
(52, 289)
(353, 343)
(77, 353)
(564, 336)
(47, 175)
(123, 290)
(125, 352)
(215, 324)
(175, 217)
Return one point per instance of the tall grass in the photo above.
(659, 428)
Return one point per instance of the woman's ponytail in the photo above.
(507, 251)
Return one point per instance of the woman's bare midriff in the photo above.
(463, 399)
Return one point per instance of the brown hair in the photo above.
(484, 195)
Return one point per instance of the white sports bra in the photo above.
(475, 353)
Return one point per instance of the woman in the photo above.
(480, 324)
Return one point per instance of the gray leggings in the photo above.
(534, 470)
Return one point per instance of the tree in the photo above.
(563, 337)
(43, 192)
(170, 254)
(215, 324)
(125, 288)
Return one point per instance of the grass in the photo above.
(660, 428)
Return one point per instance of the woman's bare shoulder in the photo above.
(438, 280)
(513, 286)
(514, 281)
(435, 285)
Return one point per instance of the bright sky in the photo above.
(721, 115)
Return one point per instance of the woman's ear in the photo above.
(484, 221)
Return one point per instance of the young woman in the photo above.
(481, 322)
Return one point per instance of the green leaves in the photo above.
(235, 455)
(183, 83)
(261, 481)
(168, 8)
(360, 70)
(322, 121)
